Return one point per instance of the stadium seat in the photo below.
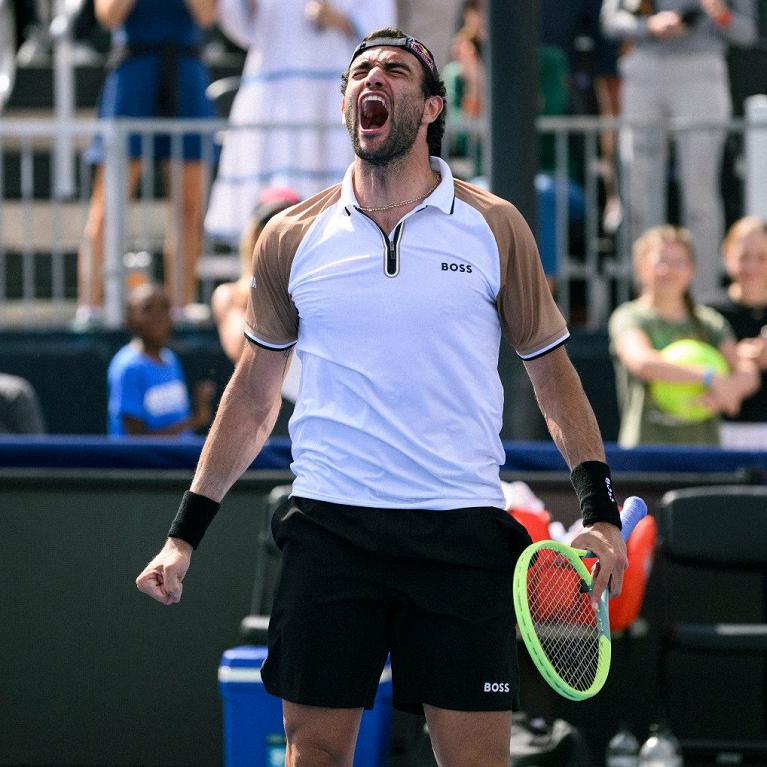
(253, 627)
(717, 534)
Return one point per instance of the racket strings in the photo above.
(563, 619)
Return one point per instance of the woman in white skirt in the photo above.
(296, 53)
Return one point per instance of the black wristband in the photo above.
(594, 488)
(195, 513)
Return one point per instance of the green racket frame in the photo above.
(527, 630)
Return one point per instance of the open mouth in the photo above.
(373, 112)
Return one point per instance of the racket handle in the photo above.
(633, 511)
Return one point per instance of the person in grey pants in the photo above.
(674, 68)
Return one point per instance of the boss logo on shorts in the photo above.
(446, 267)
(496, 687)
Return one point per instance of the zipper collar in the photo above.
(443, 197)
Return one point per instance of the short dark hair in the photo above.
(432, 84)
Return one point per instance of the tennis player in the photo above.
(395, 287)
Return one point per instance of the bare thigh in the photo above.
(470, 738)
(320, 737)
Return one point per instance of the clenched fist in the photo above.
(163, 577)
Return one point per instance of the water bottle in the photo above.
(623, 749)
(676, 745)
(661, 749)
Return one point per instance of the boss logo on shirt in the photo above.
(456, 267)
(496, 687)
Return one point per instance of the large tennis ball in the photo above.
(678, 399)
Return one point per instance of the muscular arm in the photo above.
(575, 431)
(567, 412)
(245, 418)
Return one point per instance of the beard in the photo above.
(404, 124)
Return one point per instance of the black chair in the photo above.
(713, 610)
(254, 626)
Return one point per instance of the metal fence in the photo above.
(42, 215)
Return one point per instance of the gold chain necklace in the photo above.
(401, 204)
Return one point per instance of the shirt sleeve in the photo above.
(621, 320)
(530, 318)
(271, 319)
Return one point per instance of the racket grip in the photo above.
(633, 511)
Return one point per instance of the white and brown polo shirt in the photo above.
(400, 404)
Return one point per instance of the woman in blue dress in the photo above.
(156, 72)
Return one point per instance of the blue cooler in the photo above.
(253, 732)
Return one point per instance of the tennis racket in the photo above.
(567, 639)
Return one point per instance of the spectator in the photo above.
(574, 28)
(464, 74)
(745, 260)
(157, 73)
(464, 77)
(295, 51)
(20, 411)
(553, 100)
(147, 388)
(675, 68)
(473, 20)
(230, 299)
(665, 312)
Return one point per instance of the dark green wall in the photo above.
(68, 371)
(93, 672)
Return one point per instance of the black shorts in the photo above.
(430, 589)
